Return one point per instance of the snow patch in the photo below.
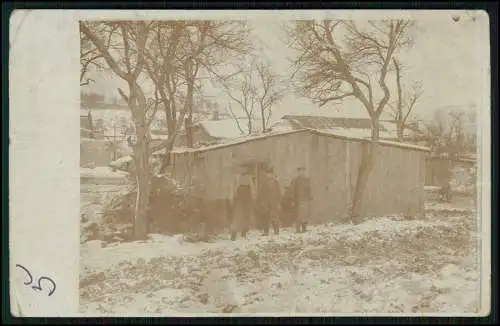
(101, 172)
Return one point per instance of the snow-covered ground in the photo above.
(101, 172)
(384, 265)
(102, 175)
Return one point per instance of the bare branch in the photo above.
(168, 144)
(414, 97)
(231, 112)
(405, 104)
(331, 67)
(122, 94)
(333, 98)
(101, 46)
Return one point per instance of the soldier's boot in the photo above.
(233, 235)
(244, 233)
(304, 227)
(276, 228)
(265, 231)
(297, 227)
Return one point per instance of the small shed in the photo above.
(395, 184)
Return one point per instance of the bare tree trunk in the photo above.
(400, 134)
(399, 109)
(189, 119)
(250, 125)
(171, 132)
(375, 128)
(189, 131)
(143, 189)
(169, 145)
(364, 169)
(361, 181)
(191, 70)
(141, 155)
(137, 105)
(263, 117)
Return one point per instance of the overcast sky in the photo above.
(445, 57)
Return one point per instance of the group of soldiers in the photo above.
(262, 202)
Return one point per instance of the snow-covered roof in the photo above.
(392, 130)
(235, 141)
(348, 109)
(352, 136)
(336, 134)
(322, 122)
(405, 145)
(281, 126)
(349, 132)
(228, 128)
(388, 130)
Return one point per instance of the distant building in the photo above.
(354, 127)
(346, 126)
(219, 128)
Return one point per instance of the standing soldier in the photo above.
(268, 202)
(302, 197)
(261, 200)
(274, 203)
(287, 211)
(243, 205)
(197, 196)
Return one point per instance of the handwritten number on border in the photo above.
(38, 285)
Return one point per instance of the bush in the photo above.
(170, 211)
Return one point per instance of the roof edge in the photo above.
(284, 133)
(380, 142)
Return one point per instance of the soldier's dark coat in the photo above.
(268, 202)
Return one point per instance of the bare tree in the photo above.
(346, 59)
(449, 138)
(331, 68)
(179, 52)
(164, 69)
(128, 62)
(405, 103)
(447, 134)
(242, 90)
(256, 89)
(237, 119)
(219, 48)
(170, 54)
(90, 57)
(269, 92)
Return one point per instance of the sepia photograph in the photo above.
(263, 166)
